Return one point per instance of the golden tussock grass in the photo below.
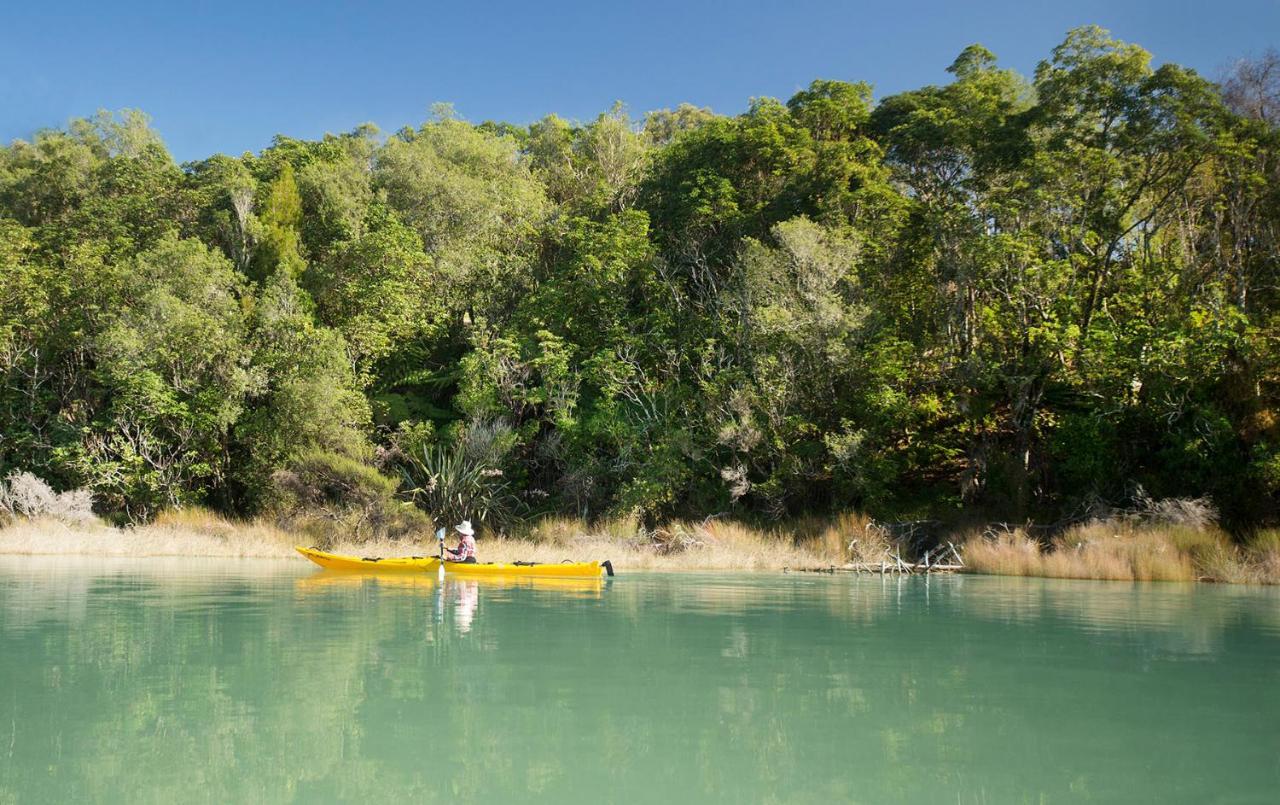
(186, 532)
(1007, 553)
(1264, 551)
(680, 545)
(1126, 551)
(848, 537)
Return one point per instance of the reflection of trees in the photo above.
(221, 685)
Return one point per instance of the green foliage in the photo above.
(172, 365)
(332, 496)
(465, 480)
(281, 247)
(306, 395)
(376, 289)
(591, 168)
(1016, 295)
(472, 201)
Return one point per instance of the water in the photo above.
(238, 681)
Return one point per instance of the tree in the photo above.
(281, 239)
(1252, 88)
(176, 363)
(472, 201)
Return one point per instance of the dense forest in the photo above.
(1005, 298)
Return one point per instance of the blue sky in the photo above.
(226, 76)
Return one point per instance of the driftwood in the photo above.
(935, 560)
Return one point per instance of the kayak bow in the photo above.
(402, 564)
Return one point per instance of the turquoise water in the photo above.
(251, 681)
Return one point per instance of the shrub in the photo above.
(465, 481)
(331, 496)
(25, 495)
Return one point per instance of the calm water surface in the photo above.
(250, 681)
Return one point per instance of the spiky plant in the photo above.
(453, 483)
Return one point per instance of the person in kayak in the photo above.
(466, 550)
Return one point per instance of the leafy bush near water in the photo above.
(332, 497)
(464, 480)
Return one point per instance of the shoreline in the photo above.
(260, 541)
(1102, 551)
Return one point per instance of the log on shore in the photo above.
(885, 568)
(932, 562)
(904, 567)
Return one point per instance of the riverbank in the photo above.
(194, 532)
(1109, 549)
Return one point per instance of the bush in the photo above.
(24, 495)
(331, 496)
(465, 481)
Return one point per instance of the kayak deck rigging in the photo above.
(561, 570)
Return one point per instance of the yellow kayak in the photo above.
(575, 570)
(419, 564)
(402, 564)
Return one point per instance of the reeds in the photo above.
(1124, 550)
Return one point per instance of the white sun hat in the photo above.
(465, 528)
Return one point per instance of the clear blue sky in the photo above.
(226, 76)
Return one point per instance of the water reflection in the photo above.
(466, 598)
(324, 581)
(154, 681)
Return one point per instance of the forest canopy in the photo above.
(1014, 296)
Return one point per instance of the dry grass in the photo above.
(1004, 553)
(1115, 549)
(717, 545)
(1099, 551)
(681, 545)
(190, 532)
(849, 537)
(1123, 550)
(1263, 550)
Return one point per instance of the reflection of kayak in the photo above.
(548, 570)
(402, 564)
(418, 564)
(422, 583)
(586, 586)
(416, 582)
